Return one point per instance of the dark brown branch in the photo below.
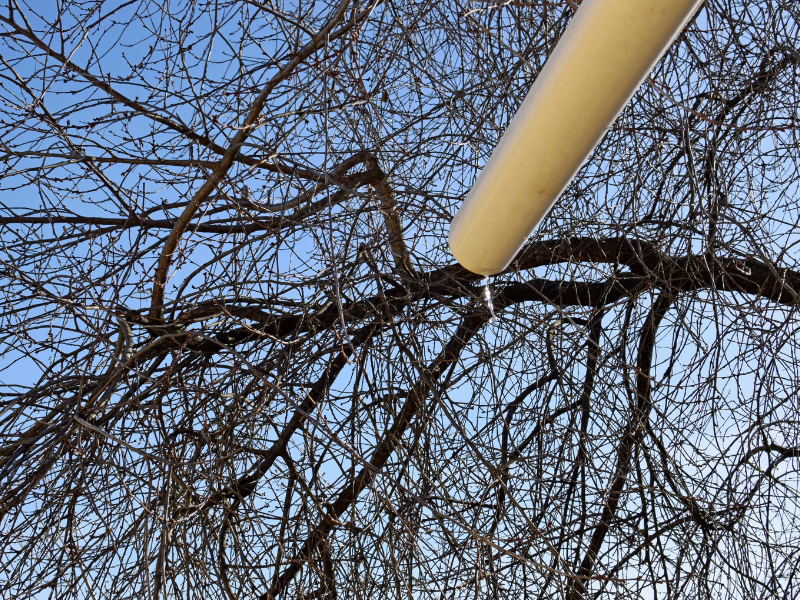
(649, 268)
(227, 160)
(384, 450)
(246, 484)
(631, 436)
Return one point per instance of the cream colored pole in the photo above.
(604, 55)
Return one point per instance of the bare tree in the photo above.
(240, 362)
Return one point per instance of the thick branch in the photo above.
(648, 265)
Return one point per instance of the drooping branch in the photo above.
(223, 166)
(383, 451)
(631, 436)
(233, 151)
(246, 484)
(649, 267)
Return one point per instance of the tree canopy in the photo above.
(238, 360)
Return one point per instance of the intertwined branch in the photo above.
(239, 361)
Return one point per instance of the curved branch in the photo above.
(384, 450)
(311, 47)
(631, 436)
(650, 267)
(246, 484)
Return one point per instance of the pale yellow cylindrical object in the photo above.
(603, 57)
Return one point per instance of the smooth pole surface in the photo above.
(603, 57)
